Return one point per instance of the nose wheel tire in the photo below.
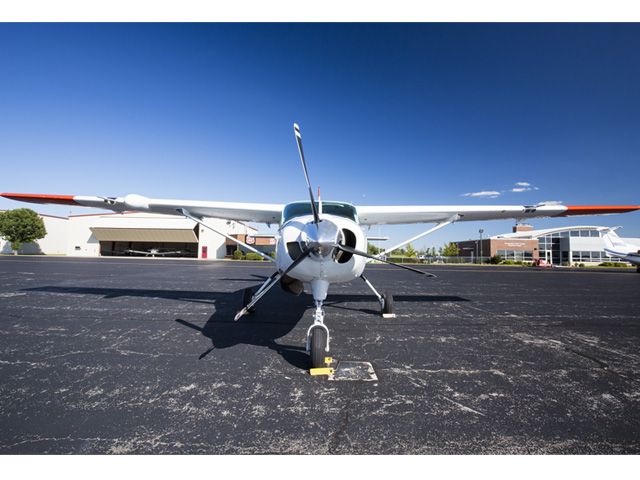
(318, 346)
(388, 303)
(247, 295)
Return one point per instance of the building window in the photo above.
(516, 255)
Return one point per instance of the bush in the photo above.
(581, 265)
(253, 256)
(237, 254)
(612, 264)
(495, 260)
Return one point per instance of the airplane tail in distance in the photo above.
(614, 245)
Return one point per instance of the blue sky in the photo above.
(390, 114)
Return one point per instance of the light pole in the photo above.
(481, 232)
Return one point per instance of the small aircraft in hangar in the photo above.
(320, 242)
(153, 252)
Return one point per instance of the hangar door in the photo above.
(150, 242)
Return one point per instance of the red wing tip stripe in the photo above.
(40, 198)
(598, 209)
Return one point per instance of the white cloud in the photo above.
(518, 187)
(551, 202)
(522, 187)
(486, 193)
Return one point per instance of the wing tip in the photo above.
(597, 209)
(41, 198)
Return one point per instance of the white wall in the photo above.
(216, 244)
(54, 242)
(82, 242)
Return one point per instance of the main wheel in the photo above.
(318, 345)
(388, 303)
(247, 295)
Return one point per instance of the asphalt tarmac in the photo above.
(142, 356)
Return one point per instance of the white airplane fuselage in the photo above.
(326, 265)
(616, 247)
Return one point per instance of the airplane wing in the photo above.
(381, 215)
(244, 212)
(368, 215)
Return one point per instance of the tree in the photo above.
(21, 225)
(411, 252)
(450, 250)
(372, 249)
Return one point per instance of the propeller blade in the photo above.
(271, 281)
(305, 253)
(353, 251)
(296, 130)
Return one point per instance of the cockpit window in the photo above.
(339, 209)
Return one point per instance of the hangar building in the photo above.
(136, 234)
(558, 246)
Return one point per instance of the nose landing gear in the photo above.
(318, 338)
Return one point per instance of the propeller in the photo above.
(296, 130)
(271, 282)
(353, 251)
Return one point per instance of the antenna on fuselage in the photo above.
(296, 130)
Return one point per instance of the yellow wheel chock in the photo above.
(328, 370)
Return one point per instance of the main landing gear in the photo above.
(386, 300)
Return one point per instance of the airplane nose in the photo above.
(321, 237)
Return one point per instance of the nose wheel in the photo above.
(318, 338)
(318, 347)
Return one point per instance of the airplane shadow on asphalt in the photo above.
(276, 314)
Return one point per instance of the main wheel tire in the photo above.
(318, 345)
(247, 295)
(388, 303)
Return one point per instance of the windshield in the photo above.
(339, 209)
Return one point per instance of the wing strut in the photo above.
(448, 221)
(187, 214)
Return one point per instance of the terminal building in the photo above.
(557, 246)
(139, 234)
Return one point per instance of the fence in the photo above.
(439, 260)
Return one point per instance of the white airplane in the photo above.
(153, 252)
(320, 243)
(616, 247)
